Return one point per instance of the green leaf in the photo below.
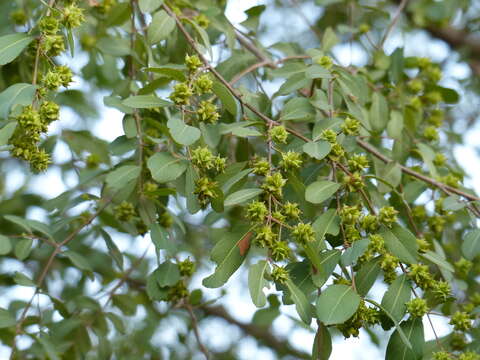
(378, 112)
(6, 319)
(183, 133)
(228, 100)
(352, 254)
(160, 27)
(391, 173)
(396, 296)
(301, 303)
(398, 350)
(78, 260)
(226, 253)
(327, 223)
(12, 45)
(167, 274)
(116, 321)
(147, 6)
(453, 203)
(438, 260)
(318, 149)
(471, 244)
(403, 337)
(17, 94)
(161, 238)
(329, 39)
(113, 250)
(256, 283)
(317, 72)
(145, 102)
(328, 261)
(23, 280)
(319, 191)
(293, 83)
(6, 133)
(231, 181)
(164, 167)
(322, 344)
(337, 304)
(395, 125)
(297, 109)
(23, 223)
(193, 205)
(401, 243)
(5, 245)
(366, 276)
(23, 248)
(120, 177)
(428, 155)
(241, 196)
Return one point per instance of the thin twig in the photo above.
(202, 347)
(393, 23)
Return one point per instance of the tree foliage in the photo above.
(321, 177)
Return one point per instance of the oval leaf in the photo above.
(337, 304)
(319, 191)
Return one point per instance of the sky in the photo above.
(110, 126)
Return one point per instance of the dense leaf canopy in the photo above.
(304, 156)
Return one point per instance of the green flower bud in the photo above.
(40, 160)
(291, 160)
(202, 158)
(469, 355)
(325, 61)
(430, 133)
(439, 160)
(274, 184)
(186, 267)
(53, 45)
(30, 121)
(350, 214)
(458, 341)
(433, 97)
(463, 266)
(419, 213)
(461, 321)
(257, 211)
(181, 94)
(442, 290)
(353, 182)
(351, 126)
(49, 111)
(92, 161)
(280, 275)
(417, 307)
(265, 237)
(202, 21)
(72, 16)
(303, 233)
(437, 223)
(165, 220)
(423, 245)
(177, 292)
(337, 152)
(207, 112)
(291, 210)
(66, 75)
(421, 276)
(376, 244)
(125, 211)
(433, 73)
(279, 251)
(358, 163)
(416, 103)
(193, 62)
(329, 135)
(203, 84)
(415, 86)
(387, 216)
(18, 17)
(278, 216)
(442, 355)
(388, 264)
(278, 134)
(363, 28)
(150, 190)
(52, 80)
(261, 167)
(49, 25)
(369, 223)
(436, 118)
(204, 189)
(351, 234)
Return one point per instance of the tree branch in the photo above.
(260, 334)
